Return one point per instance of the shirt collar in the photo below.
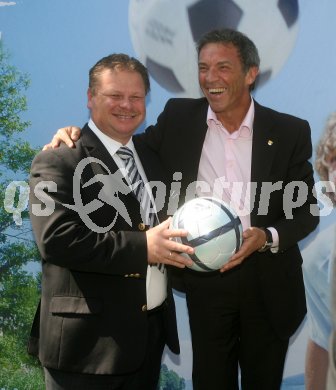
(110, 144)
(246, 127)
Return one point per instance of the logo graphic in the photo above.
(113, 184)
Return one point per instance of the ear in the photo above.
(89, 97)
(251, 75)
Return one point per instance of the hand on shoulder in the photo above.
(67, 135)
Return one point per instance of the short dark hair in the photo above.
(246, 48)
(118, 61)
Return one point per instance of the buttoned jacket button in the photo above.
(142, 226)
(132, 275)
(144, 308)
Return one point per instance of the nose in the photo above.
(211, 75)
(125, 103)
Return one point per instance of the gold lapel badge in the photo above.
(270, 142)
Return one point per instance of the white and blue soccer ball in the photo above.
(164, 33)
(214, 231)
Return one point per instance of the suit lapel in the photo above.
(155, 174)
(96, 149)
(106, 165)
(264, 145)
(193, 145)
(149, 160)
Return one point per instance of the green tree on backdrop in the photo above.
(169, 380)
(19, 289)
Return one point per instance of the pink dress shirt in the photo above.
(225, 167)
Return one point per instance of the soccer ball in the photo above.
(214, 231)
(164, 33)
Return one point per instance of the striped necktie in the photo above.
(137, 185)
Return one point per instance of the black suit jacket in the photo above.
(280, 153)
(92, 317)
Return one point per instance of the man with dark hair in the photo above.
(106, 310)
(256, 159)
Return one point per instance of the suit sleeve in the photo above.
(154, 136)
(300, 208)
(62, 236)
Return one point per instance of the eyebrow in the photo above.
(217, 63)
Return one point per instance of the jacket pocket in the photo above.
(75, 305)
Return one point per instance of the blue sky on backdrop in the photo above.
(56, 42)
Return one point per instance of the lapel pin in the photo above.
(270, 142)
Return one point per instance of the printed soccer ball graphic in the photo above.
(164, 33)
(215, 231)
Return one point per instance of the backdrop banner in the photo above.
(47, 49)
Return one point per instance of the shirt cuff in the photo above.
(275, 237)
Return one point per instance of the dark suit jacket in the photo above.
(178, 138)
(93, 316)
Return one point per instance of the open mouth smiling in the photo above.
(216, 91)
